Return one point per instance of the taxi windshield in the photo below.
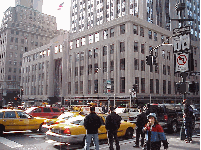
(74, 120)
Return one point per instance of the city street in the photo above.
(37, 141)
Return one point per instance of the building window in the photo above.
(89, 69)
(112, 49)
(95, 86)
(162, 38)
(104, 66)
(112, 65)
(112, 85)
(137, 82)
(150, 34)
(135, 46)
(122, 64)
(9, 77)
(135, 29)
(89, 86)
(142, 85)
(136, 64)
(76, 71)
(164, 70)
(157, 86)
(169, 87)
(105, 34)
(122, 29)
(112, 32)
(104, 50)
(156, 68)
(81, 87)
(76, 87)
(122, 84)
(142, 65)
(122, 46)
(142, 31)
(96, 68)
(155, 36)
(164, 86)
(151, 86)
(81, 70)
(96, 53)
(142, 48)
(168, 67)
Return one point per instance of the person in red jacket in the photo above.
(155, 134)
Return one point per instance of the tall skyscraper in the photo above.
(35, 4)
(23, 28)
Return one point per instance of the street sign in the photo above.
(182, 62)
(181, 31)
(181, 43)
(134, 94)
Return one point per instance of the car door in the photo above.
(37, 112)
(9, 120)
(22, 121)
(46, 112)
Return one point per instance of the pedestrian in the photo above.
(154, 134)
(91, 123)
(188, 119)
(140, 123)
(147, 109)
(112, 125)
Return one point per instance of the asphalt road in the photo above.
(38, 141)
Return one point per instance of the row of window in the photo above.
(154, 87)
(32, 78)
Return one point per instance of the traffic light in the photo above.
(135, 86)
(193, 87)
(154, 60)
(149, 60)
(180, 87)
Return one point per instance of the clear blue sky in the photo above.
(49, 7)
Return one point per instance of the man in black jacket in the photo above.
(91, 123)
(112, 124)
(188, 119)
(141, 121)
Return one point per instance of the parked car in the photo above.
(61, 119)
(46, 112)
(73, 131)
(127, 113)
(169, 116)
(18, 120)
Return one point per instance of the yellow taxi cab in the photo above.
(73, 130)
(18, 120)
(61, 119)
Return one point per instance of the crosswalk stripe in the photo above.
(9, 143)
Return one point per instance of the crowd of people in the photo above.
(148, 129)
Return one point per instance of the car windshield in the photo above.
(74, 120)
(66, 115)
(30, 110)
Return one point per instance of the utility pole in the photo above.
(182, 48)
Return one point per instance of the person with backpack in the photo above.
(188, 119)
(112, 125)
(91, 123)
(141, 121)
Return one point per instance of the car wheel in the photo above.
(174, 127)
(40, 127)
(129, 133)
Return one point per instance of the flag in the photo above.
(61, 5)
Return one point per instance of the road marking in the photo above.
(9, 143)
